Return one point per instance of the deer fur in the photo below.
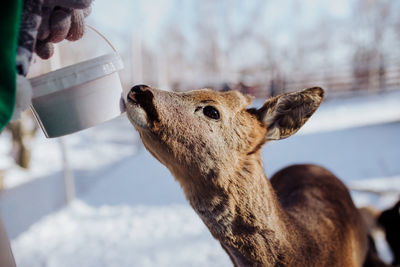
(303, 216)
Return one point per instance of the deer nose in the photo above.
(137, 89)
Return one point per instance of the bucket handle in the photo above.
(102, 36)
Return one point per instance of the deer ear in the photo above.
(284, 114)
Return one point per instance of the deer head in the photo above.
(199, 135)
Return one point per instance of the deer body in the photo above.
(303, 216)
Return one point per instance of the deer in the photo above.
(211, 141)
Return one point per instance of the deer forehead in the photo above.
(232, 100)
(180, 106)
(187, 131)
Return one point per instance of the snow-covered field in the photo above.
(131, 212)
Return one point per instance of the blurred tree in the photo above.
(372, 39)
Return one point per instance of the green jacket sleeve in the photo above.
(9, 27)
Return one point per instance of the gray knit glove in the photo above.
(49, 21)
(61, 19)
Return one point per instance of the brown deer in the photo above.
(210, 141)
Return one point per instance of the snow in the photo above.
(119, 236)
(354, 112)
(130, 211)
(134, 216)
(89, 149)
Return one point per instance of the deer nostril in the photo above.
(142, 95)
(131, 95)
(139, 88)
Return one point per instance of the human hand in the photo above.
(48, 21)
(61, 19)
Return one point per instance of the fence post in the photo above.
(69, 182)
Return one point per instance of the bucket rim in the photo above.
(76, 74)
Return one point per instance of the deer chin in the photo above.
(137, 115)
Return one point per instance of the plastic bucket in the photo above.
(78, 96)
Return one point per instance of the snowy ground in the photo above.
(130, 211)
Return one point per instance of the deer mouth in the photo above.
(140, 107)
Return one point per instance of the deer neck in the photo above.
(241, 210)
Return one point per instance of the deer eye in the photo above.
(211, 112)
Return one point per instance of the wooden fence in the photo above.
(336, 83)
(350, 83)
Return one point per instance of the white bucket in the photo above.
(79, 96)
